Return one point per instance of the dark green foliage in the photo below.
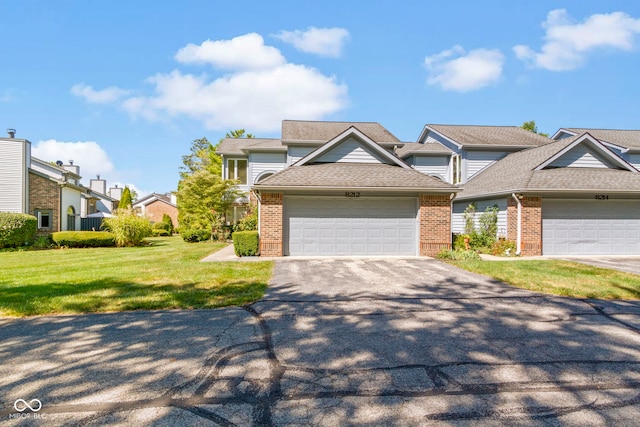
(249, 222)
(42, 242)
(245, 243)
(162, 226)
(167, 220)
(84, 239)
(193, 235)
(159, 232)
(17, 229)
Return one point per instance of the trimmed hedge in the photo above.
(193, 236)
(245, 243)
(159, 232)
(84, 239)
(17, 229)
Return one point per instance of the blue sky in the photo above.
(123, 88)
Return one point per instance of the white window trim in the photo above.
(235, 169)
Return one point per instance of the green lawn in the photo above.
(559, 278)
(165, 274)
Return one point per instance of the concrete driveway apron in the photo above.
(337, 342)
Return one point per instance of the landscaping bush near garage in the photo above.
(458, 254)
(194, 236)
(84, 239)
(245, 243)
(17, 229)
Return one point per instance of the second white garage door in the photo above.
(334, 226)
(591, 227)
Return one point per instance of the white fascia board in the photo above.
(352, 131)
(593, 143)
(561, 131)
(352, 188)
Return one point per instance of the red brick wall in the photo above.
(435, 224)
(271, 224)
(44, 194)
(531, 244)
(156, 209)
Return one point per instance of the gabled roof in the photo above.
(150, 198)
(299, 131)
(485, 136)
(367, 143)
(524, 171)
(241, 146)
(622, 138)
(353, 176)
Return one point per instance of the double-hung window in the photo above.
(237, 170)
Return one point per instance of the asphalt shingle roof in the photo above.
(234, 146)
(297, 130)
(516, 172)
(623, 138)
(354, 175)
(490, 135)
(410, 148)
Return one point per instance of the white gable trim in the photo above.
(596, 146)
(367, 142)
(560, 131)
(427, 129)
(556, 136)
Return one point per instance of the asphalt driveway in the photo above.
(335, 342)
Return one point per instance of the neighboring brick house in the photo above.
(154, 206)
(51, 192)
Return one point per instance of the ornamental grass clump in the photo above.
(128, 228)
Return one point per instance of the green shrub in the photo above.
(129, 229)
(42, 242)
(504, 248)
(249, 222)
(162, 226)
(194, 235)
(84, 239)
(17, 229)
(159, 232)
(166, 219)
(458, 241)
(245, 243)
(458, 255)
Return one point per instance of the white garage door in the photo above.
(330, 226)
(591, 227)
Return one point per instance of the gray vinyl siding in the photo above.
(579, 157)
(478, 160)
(265, 162)
(350, 151)
(457, 214)
(433, 138)
(295, 153)
(432, 165)
(14, 164)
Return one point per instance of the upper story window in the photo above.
(455, 169)
(237, 169)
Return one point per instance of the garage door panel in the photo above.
(338, 226)
(591, 227)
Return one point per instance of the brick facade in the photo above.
(435, 224)
(531, 244)
(271, 224)
(156, 209)
(44, 194)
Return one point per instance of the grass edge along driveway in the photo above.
(165, 274)
(557, 277)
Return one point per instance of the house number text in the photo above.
(352, 194)
(602, 197)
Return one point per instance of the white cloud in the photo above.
(320, 41)
(89, 155)
(103, 96)
(262, 90)
(567, 44)
(459, 71)
(246, 52)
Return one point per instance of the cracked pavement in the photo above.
(335, 342)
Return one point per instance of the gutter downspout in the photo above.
(519, 223)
